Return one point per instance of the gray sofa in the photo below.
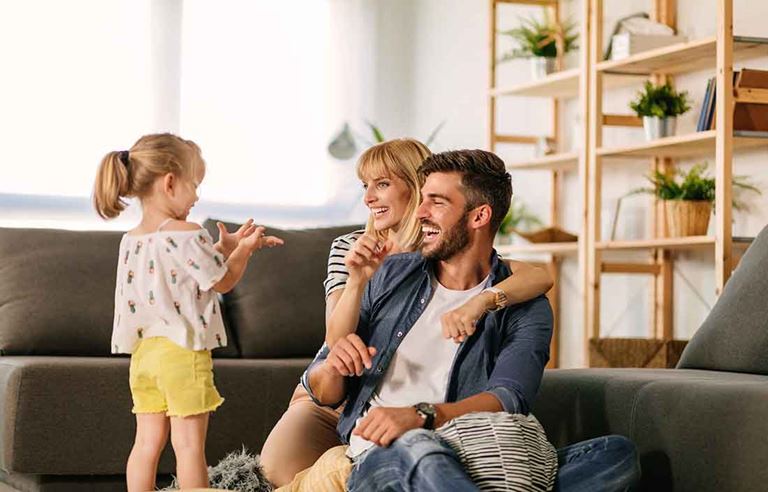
(65, 412)
(702, 426)
(65, 421)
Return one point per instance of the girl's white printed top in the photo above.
(164, 288)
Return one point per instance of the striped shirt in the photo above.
(337, 270)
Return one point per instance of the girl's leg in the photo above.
(188, 439)
(151, 438)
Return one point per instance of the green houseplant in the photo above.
(659, 106)
(518, 218)
(540, 41)
(688, 198)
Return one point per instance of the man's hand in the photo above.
(461, 323)
(349, 356)
(382, 425)
(228, 241)
(365, 257)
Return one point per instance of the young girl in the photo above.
(166, 309)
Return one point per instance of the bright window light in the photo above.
(75, 83)
(254, 96)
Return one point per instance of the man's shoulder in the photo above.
(397, 267)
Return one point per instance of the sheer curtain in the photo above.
(261, 85)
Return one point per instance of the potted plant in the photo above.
(659, 106)
(518, 217)
(541, 41)
(688, 198)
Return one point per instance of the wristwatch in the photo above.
(499, 298)
(428, 412)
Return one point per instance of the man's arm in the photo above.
(326, 380)
(520, 365)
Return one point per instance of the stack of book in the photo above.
(749, 119)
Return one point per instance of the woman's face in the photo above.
(387, 197)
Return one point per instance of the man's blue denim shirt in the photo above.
(505, 356)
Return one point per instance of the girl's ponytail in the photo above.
(112, 183)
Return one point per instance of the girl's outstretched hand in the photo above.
(228, 241)
(257, 240)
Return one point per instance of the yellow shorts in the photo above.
(165, 377)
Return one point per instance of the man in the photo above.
(399, 377)
(465, 196)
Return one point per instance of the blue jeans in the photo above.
(420, 461)
(606, 463)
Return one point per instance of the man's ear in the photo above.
(169, 184)
(481, 216)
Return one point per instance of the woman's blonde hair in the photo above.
(402, 158)
(131, 173)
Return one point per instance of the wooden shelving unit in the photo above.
(564, 84)
(716, 53)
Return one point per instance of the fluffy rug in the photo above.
(239, 471)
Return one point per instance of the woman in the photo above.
(389, 172)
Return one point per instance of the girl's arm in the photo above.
(525, 283)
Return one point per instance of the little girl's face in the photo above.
(184, 198)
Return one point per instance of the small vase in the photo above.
(687, 217)
(656, 127)
(541, 66)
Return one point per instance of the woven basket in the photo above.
(547, 235)
(688, 217)
(635, 352)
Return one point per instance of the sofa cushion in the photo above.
(72, 415)
(278, 308)
(57, 292)
(734, 337)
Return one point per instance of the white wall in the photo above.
(444, 74)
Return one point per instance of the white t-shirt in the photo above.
(164, 289)
(421, 365)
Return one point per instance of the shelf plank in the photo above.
(542, 3)
(555, 162)
(550, 248)
(693, 144)
(559, 84)
(689, 56)
(689, 242)
(563, 84)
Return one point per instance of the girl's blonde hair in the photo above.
(131, 173)
(402, 158)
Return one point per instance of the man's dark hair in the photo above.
(483, 177)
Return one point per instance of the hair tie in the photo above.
(123, 156)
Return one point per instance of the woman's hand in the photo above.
(228, 241)
(365, 257)
(460, 323)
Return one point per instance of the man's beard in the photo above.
(454, 241)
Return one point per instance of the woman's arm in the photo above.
(525, 283)
(343, 312)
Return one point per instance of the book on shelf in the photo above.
(748, 118)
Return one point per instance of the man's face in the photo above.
(443, 216)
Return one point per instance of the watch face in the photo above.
(426, 408)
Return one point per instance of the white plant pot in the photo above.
(541, 66)
(656, 127)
